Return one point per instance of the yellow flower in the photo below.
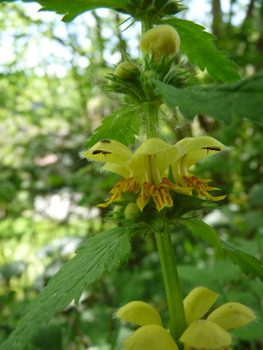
(195, 150)
(147, 169)
(206, 334)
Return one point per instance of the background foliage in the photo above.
(50, 105)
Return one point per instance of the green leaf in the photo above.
(206, 232)
(104, 252)
(73, 8)
(200, 49)
(247, 263)
(120, 126)
(242, 99)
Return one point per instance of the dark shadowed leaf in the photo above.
(243, 99)
(246, 262)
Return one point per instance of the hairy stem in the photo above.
(152, 121)
(172, 284)
(146, 24)
(151, 112)
(163, 237)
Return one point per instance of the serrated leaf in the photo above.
(106, 251)
(73, 8)
(246, 262)
(206, 232)
(243, 99)
(123, 125)
(200, 49)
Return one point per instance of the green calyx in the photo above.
(156, 9)
(127, 70)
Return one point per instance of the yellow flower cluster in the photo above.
(206, 334)
(146, 171)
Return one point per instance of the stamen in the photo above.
(100, 151)
(212, 149)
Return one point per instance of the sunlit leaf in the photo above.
(200, 49)
(104, 252)
(242, 99)
(72, 8)
(123, 125)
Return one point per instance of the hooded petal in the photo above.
(199, 148)
(140, 313)
(206, 334)
(118, 169)
(110, 151)
(151, 337)
(162, 154)
(232, 316)
(198, 302)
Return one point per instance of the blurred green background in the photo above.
(50, 103)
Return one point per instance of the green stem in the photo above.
(152, 121)
(146, 24)
(163, 239)
(151, 113)
(172, 284)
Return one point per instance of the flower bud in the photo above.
(159, 40)
(127, 70)
(131, 210)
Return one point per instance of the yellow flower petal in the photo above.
(161, 196)
(206, 334)
(198, 302)
(150, 337)
(201, 188)
(116, 193)
(140, 313)
(144, 195)
(232, 316)
(162, 155)
(124, 185)
(199, 148)
(117, 169)
(110, 151)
